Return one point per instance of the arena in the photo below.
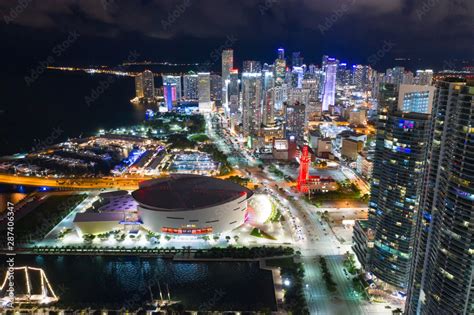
(191, 205)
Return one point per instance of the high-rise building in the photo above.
(281, 53)
(297, 77)
(341, 78)
(395, 75)
(176, 80)
(298, 95)
(281, 96)
(329, 93)
(415, 98)
(295, 120)
(204, 91)
(139, 86)
(361, 77)
(423, 77)
(401, 144)
(216, 87)
(169, 92)
(268, 80)
(148, 84)
(251, 66)
(269, 108)
(357, 76)
(233, 91)
(408, 77)
(227, 64)
(313, 106)
(190, 86)
(296, 59)
(145, 85)
(441, 278)
(280, 68)
(251, 103)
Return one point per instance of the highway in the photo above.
(128, 183)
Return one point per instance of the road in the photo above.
(128, 183)
(312, 236)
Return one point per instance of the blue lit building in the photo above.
(170, 95)
(400, 157)
(441, 278)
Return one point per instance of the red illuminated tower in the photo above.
(304, 170)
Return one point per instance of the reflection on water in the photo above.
(114, 281)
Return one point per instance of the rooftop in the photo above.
(187, 192)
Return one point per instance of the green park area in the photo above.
(275, 215)
(262, 234)
(346, 191)
(199, 137)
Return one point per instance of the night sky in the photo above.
(430, 32)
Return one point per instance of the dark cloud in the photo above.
(418, 27)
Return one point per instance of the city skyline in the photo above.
(249, 157)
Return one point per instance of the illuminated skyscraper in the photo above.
(313, 106)
(190, 86)
(139, 86)
(216, 87)
(296, 59)
(268, 80)
(297, 77)
(169, 92)
(251, 66)
(395, 75)
(281, 53)
(280, 68)
(281, 96)
(148, 85)
(357, 76)
(251, 103)
(424, 77)
(227, 65)
(441, 278)
(400, 157)
(176, 80)
(269, 108)
(204, 91)
(233, 90)
(329, 93)
(341, 79)
(295, 120)
(145, 85)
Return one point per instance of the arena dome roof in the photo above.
(187, 192)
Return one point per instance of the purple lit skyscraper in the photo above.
(329, 93)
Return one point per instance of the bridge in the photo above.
(24, 292)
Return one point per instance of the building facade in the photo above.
(400, 157)
(441, 280)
